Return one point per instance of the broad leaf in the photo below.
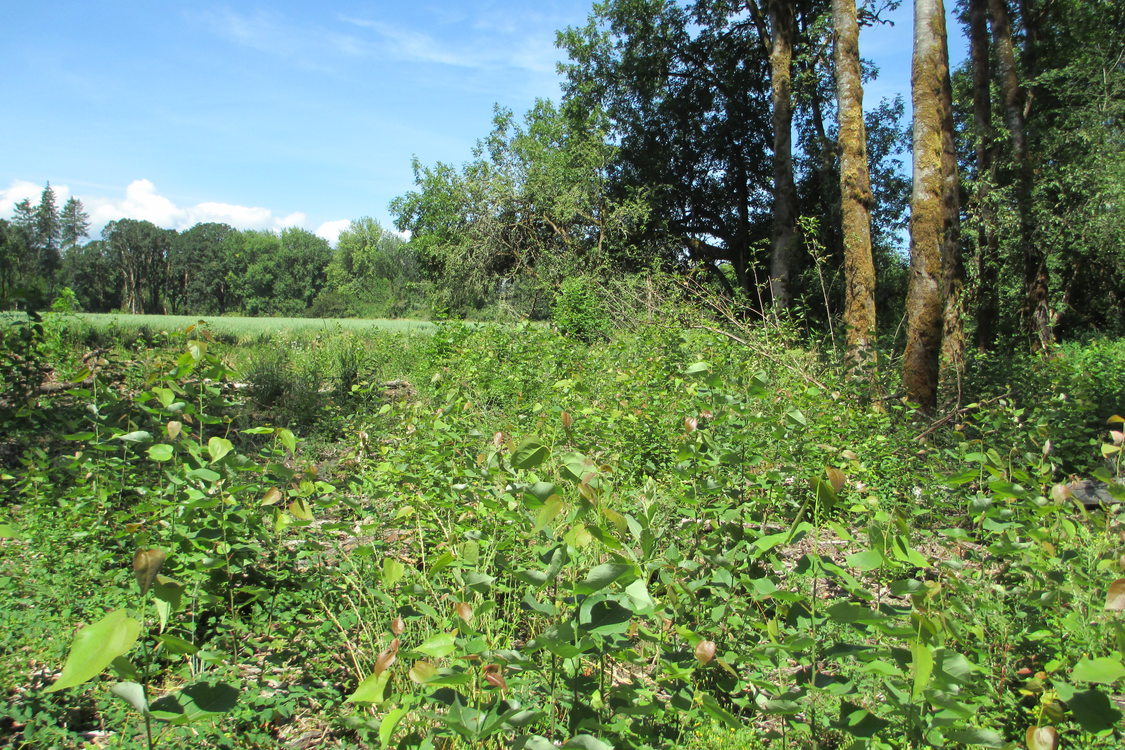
(95, 646)
(202, 700)
(530, 454)
(1105, 670)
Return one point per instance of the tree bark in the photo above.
(782, 31)
(932, 224)
(988, 246)
(855, 190)
(1036, 311)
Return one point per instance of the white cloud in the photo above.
(19, 190)
(143, 202)
(330, 230)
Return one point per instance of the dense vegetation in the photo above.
(500, 534)
(729, 470)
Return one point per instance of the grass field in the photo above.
(248, 328)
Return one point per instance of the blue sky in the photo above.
(266, 115)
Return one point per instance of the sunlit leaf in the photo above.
(438, 645)
(218, 447)
(139, 436)
(371, 689)
(132, 693)
(95, 646)
(1105, 670)
(161, 452)
(601, 576)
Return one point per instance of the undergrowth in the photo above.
(501, 536)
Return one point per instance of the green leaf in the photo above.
(218, 447)
(196, 702)
(287, 439)
(586, 742)
(980, 737)
(371, 689)
(132, 693)
(8, 531)
(140, 436)
(548, 513)
(438, 645)
(167, 595)
(1105, 670)
(866, 561)
(176, 645)
(388, 725)
(205, 474)
(530, 454)
(699, 368)
(1093, 710)
(923, 659)
(95, 646)
(639, 597)
(601, 576)
(578, 467)
(161, 452)
(393, 572)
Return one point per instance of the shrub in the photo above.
(578, 312)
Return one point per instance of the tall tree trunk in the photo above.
(1036, 312)
(783, 25)
(855, 190)
(932, 224)
(988, 247)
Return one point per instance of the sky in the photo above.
(287, 113)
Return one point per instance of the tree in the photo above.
(1036, 313)
(373, 273)
(934, 231)
(988, 248)
(855, 188)
(94, 274)
(201, 268)
(74, 224)
(140, 251)
(687, 94)
(280, 274)
(783, 30)
(48, 234)
(530, 209)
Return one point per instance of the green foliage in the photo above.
(578, 312)
(514, 538)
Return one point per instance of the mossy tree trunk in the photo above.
(988, 248)
(1036, 309)
(855, 190)
(932, 299)
(782, 20)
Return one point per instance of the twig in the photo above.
(960, 411)
(764, 354)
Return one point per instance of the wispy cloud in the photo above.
(273, 34)
(495, 45)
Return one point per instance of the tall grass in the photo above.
(248, 328)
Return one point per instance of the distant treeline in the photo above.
(209, 269)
